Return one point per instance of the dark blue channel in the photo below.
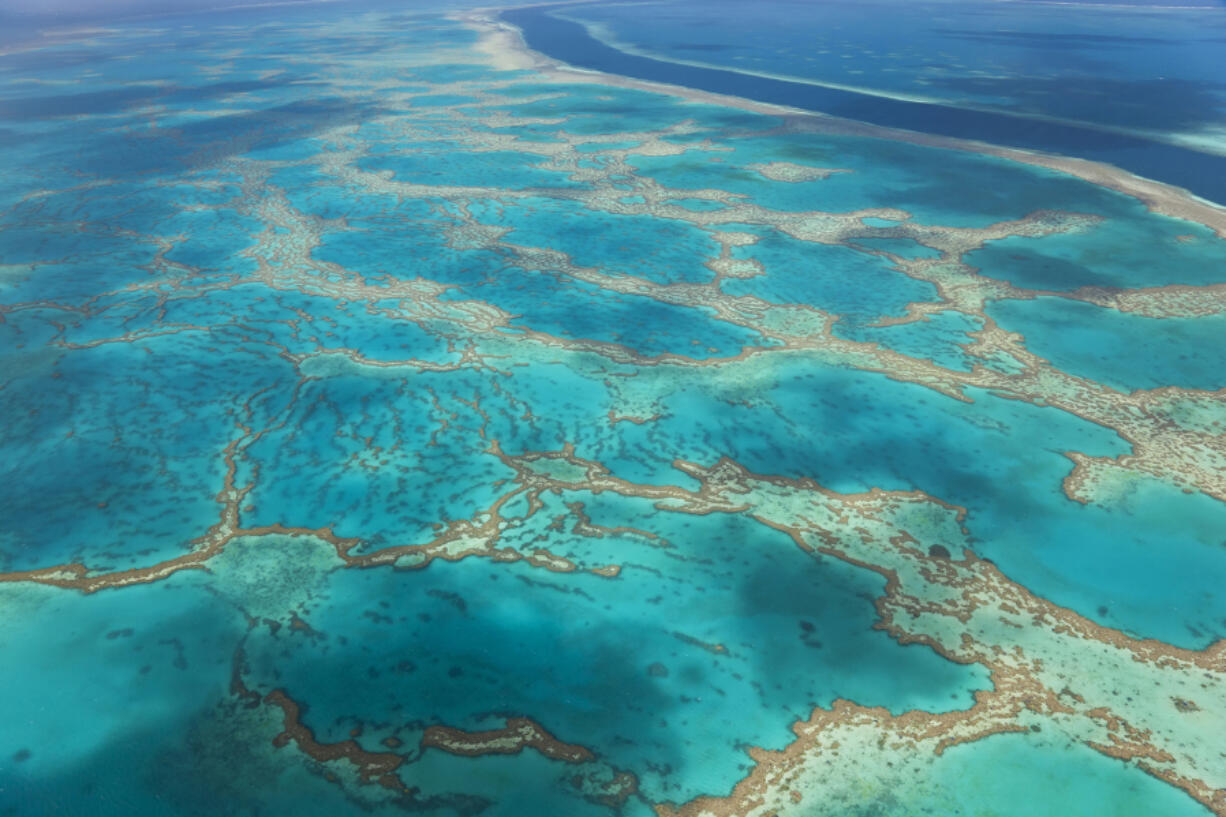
(1202, 173)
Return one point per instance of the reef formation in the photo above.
(415, 418)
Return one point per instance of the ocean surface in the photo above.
(1075, 79)
(1148, 67)
(393, 423)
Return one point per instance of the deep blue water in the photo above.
(1203, 174)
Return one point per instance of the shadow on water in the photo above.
(204, 142)
(1040, 270)
(124, 99)
(815, 618)
(468, 644)
(394, 656)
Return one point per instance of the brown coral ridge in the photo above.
(712, 647)
(77, 576)
(584, 526)
(828, 730)
(777, 781)
(607, 786)
(1050, 666)
(379, 767)
(596, 781)
(517, 735)
(457, 540)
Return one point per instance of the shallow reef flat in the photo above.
(395, 421)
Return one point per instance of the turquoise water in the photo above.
(1166, 252)
(938, 338)
(1100, 787)
(282, 337)
(853, 285)
(1101, 344)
